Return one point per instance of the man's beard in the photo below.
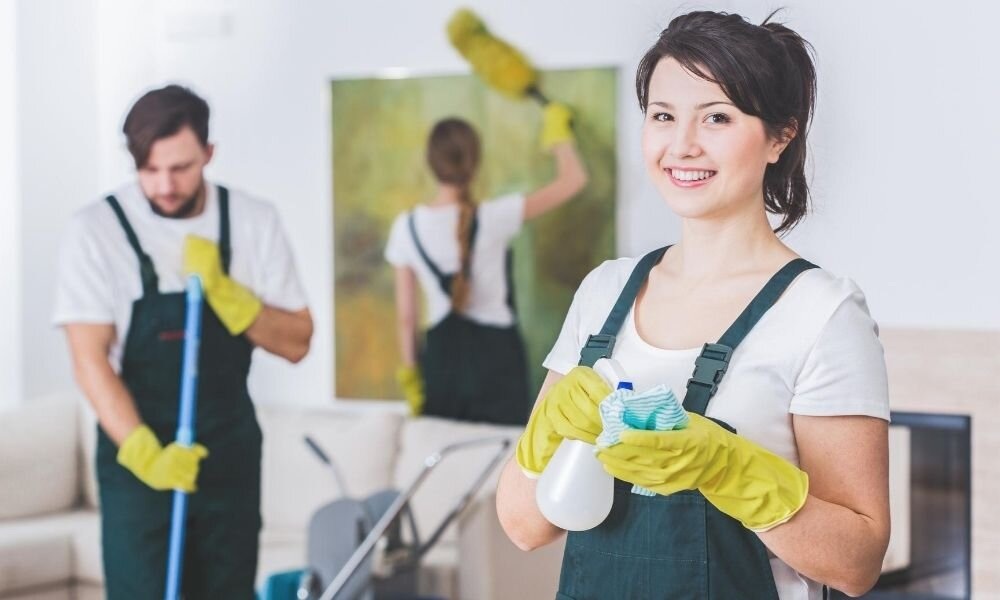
(185, 209)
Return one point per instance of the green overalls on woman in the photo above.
(778, 486)
(120, 299)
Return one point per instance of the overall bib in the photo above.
(676, 547)
(220, 558)
(472, 371)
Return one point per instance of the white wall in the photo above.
(902, 144)
(57, 105)
(10, 248)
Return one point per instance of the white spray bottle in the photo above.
(574, 492)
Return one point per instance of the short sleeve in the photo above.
(565, 353)
(395, 249)
(280, 286)
(505, 216)
(84, 291)
(845, 372)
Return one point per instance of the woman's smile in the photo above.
(689, 178)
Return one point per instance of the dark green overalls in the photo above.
(675, 547)
(472, 371)
(220, 558)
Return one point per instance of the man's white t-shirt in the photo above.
(815, 352)
(499, 221)
(99, 276)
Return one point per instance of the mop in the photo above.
(185, 429)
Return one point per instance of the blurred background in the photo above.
(903, 166)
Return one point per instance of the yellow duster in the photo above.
(497, 62)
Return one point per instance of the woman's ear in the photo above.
(778, 144)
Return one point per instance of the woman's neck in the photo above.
(446, 194)
(718, 247)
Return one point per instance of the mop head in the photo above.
(497, 62)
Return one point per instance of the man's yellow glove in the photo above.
(556, 125)
(172, 468)
(412, 384)
(234, 304)
(754, 486)
(568, 410)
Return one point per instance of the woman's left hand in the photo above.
(740, 478)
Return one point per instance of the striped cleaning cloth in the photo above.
(656, 409)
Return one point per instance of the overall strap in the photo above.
(509, 274)
(225, 248)
(444, 280)
(602, 344)
(150, 282)
(711, 365)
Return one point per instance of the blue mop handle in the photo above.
(185, 430)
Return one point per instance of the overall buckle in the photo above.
(710, 366)
(598, 346)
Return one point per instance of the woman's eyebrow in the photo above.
(669, 106)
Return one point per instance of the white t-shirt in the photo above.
(499, 221)
(99, 272)
(815, 352)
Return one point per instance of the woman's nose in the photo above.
(684, 142)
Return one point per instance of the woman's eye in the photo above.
(662, 117)
(718, 118)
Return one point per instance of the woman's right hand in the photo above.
(556, 125)
(568, 410)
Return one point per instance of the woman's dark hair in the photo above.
(162, 113)
(453, 155)
(767, 71)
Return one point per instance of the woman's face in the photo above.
(704, 155)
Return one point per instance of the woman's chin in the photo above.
(688, 209)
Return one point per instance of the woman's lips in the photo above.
(690, 178)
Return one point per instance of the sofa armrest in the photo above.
(491, 567)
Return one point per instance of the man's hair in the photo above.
(162, 113)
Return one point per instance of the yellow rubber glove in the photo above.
(754, 486)
(234, 304)
(556, 125)
(568, 410)
(412, 384)
(172, 468)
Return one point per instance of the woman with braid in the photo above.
(472, 363)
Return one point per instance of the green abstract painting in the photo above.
(380, 128)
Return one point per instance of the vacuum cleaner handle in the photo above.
(362, 552)
(328, 462)
(470, 494)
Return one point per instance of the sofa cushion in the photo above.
(87, 431)
(60, 592)
(35, 560)
(451, 478)
(39, 551)
(295, 483)
(38, 443)
(86, 547)
(87, 591)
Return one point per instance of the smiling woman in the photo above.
(705, 144)
(730, 116)
(784, 487)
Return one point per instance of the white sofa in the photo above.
(49, 525)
